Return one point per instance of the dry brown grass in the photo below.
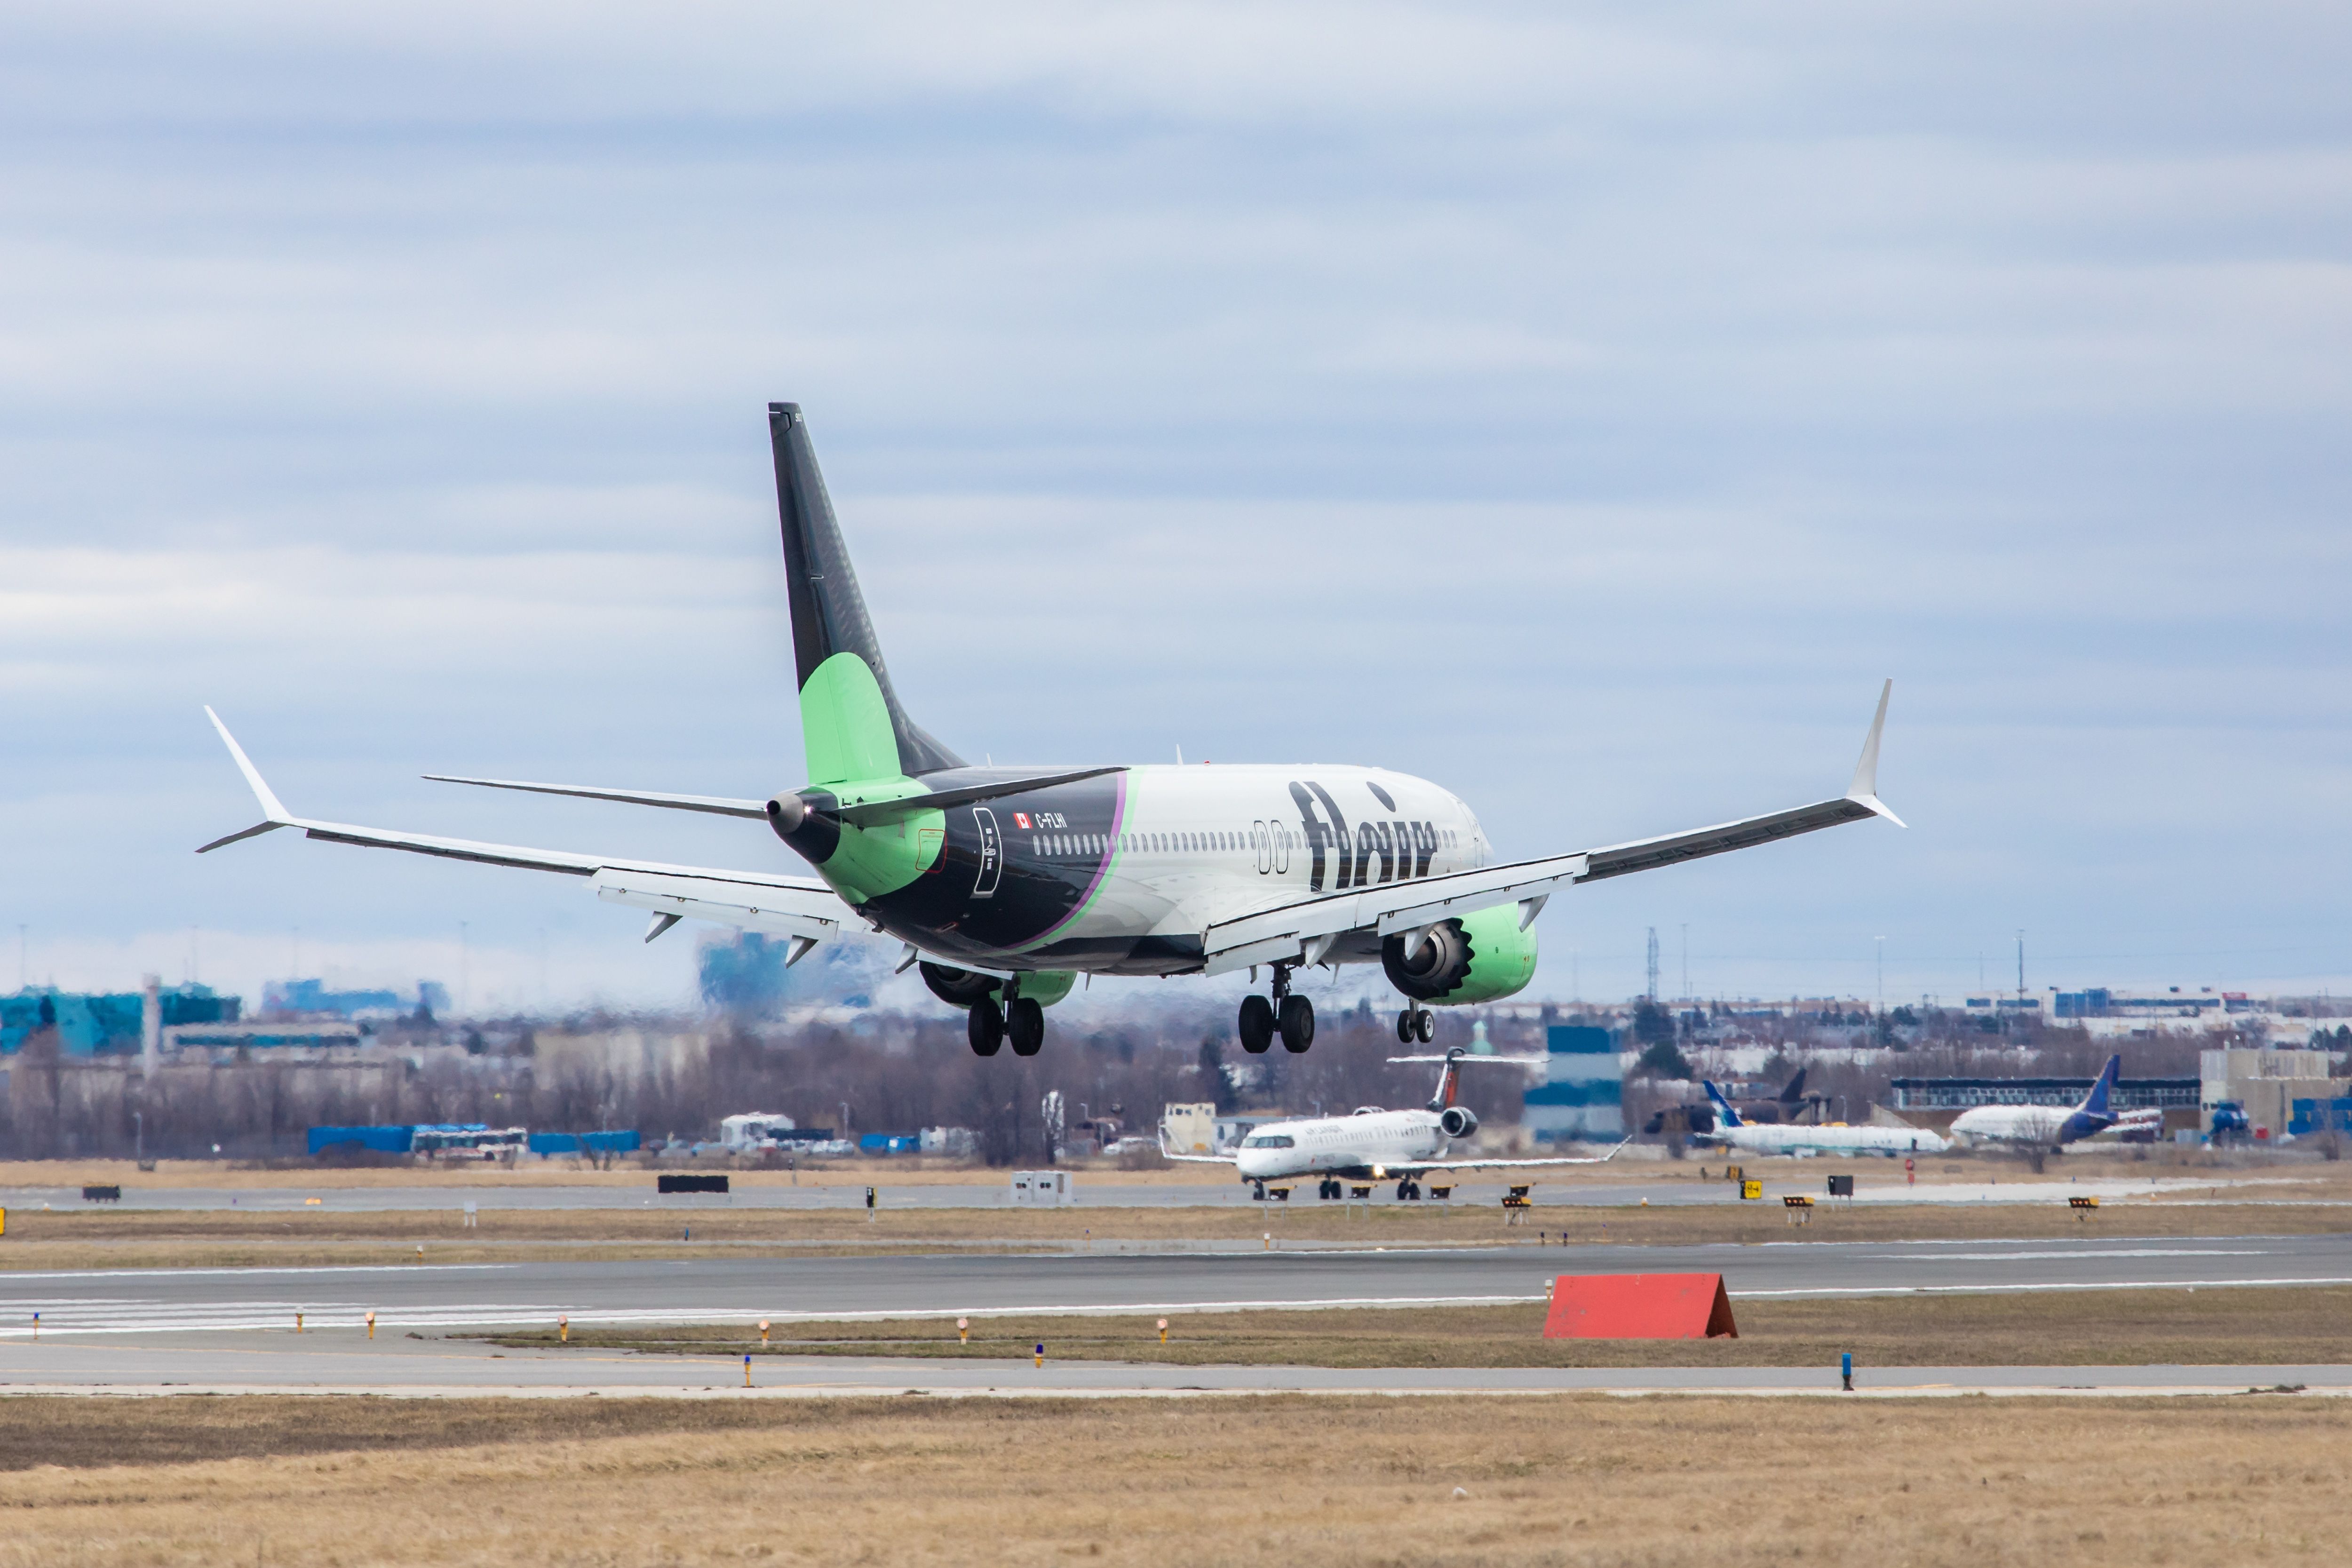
(2275, 1326)
(1561, 1480)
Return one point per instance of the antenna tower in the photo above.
(1651, 994)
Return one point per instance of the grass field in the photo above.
(164, 1238)
(2268, 1325)
(1435, 1483)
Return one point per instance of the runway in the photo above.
(436, 1298)
(344, 1362)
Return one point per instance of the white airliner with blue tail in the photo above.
(1749, 1138)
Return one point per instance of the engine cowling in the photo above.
(1456, 1121)
(1477, 958)
(962, 988)
(957, 987)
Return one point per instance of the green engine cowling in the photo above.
(1480, 957)
(962, 988)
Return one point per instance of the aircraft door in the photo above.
(1261, 841)
(991, 853)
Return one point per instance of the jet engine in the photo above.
(962, 988)
(957, 987)
(1477, 958)
(1458, 1122)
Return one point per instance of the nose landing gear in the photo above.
(1291, 1017)
(1416, 1024)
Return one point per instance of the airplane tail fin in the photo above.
(851, 721)
(1723, 1111)
(1793, 1091)
(2095, 1102)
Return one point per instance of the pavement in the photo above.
(117, 1303)
(1876, 1185)
(344, 1361)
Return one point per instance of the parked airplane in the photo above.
(1786, 1106)
(1007, 883)
(1373, 1145)
(2041, 1127)
(1733, 1132)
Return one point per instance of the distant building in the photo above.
(1583, 1094)
(313, 999)
(2268, 1086)
(1966, 1093)
(89, 1025)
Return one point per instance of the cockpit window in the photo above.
(1269, 1140)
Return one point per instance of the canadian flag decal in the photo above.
(1021, 818)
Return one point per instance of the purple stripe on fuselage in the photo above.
(1102, 868)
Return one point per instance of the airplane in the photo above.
(1373, 1145)
(1746, 1137)
(1005, 884)
(1786, 1106)
(2041, 1127)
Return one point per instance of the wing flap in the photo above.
(814, 913)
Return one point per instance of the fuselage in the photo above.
(2045, 1126)
(1890, 1142)
(1368, 1146)
(1120, 874)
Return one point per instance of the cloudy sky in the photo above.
(1584, 407)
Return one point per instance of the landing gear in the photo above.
(1025, 1023)
(1409, 1192)
(1416, 1024)
(986, 1027)
(1257, 1026)
(1327, 1188)
(1262, 1018)
(1298, 1023)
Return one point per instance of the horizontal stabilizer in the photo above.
(1459, 1059)
(720, 805)
(881, 811)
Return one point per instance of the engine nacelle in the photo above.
(1456, 1121)
(962, 988)
(1477, 958)
(957, 987)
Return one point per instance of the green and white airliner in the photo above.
(1006, 884)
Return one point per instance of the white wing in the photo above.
(798, 907)
(1504, 1164)
(1304, 929)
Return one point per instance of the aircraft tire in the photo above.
(1298, 1023)
(1026, 1025)
(1404, 1027)
(1257, 1026)
(985, 1029)
(1424, 1025)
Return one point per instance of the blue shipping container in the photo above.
(890, 1143)
(615, 1142)
(383, 1140)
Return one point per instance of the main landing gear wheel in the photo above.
(1408, 1191)
(1256, 1025)
(1026, 1022)
(986, 1028)
(1424, 1025)
(1298, 1023)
